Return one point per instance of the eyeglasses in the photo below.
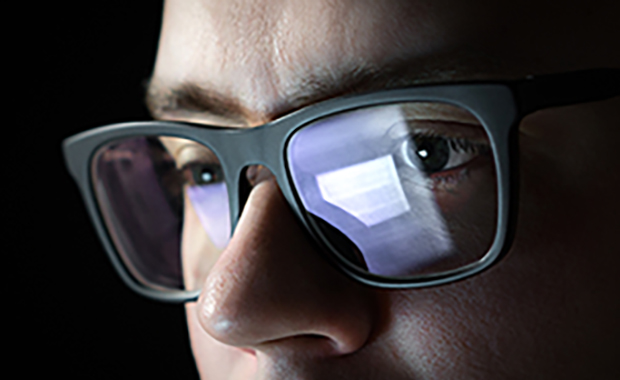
(402, 188)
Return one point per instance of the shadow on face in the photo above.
(272, 307)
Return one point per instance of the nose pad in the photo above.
(244, 190)
(250, 176)
(255, 174)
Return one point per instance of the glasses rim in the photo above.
(498, 105)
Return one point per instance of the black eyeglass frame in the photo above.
(500, 106)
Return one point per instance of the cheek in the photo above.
(462, 331)
(428, 336)
(521, 317)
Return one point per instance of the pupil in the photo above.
(432, 152)
(206, 176)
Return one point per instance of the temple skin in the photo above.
(272, 308)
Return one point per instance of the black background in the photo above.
(75, 66)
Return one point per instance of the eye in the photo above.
(202, 174)
(433, 154)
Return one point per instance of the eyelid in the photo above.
(451, 129)
(194, 153)
(184, 151)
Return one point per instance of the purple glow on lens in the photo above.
(349, 170)
(211, 205)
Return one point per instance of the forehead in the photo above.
(263, 53)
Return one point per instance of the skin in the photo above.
(272, 308)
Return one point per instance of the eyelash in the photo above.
(459, 144)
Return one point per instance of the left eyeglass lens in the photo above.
(153, 192)
(404, 190)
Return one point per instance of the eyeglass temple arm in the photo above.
(538, 92)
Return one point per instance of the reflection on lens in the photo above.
(155, 192)
(411, 186)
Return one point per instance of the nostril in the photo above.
(316, 345)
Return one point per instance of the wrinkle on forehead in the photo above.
(260, 52)
(225, 44)
(334, 36)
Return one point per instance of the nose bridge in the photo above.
(256, 146)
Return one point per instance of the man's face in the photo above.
(271, 307)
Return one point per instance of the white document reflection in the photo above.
(370, 191)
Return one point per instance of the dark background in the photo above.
(78, 65)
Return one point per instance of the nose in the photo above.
(271, 288)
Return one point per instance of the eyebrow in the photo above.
(193, 99)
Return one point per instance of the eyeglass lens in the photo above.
(397, 190)
(400, 190)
